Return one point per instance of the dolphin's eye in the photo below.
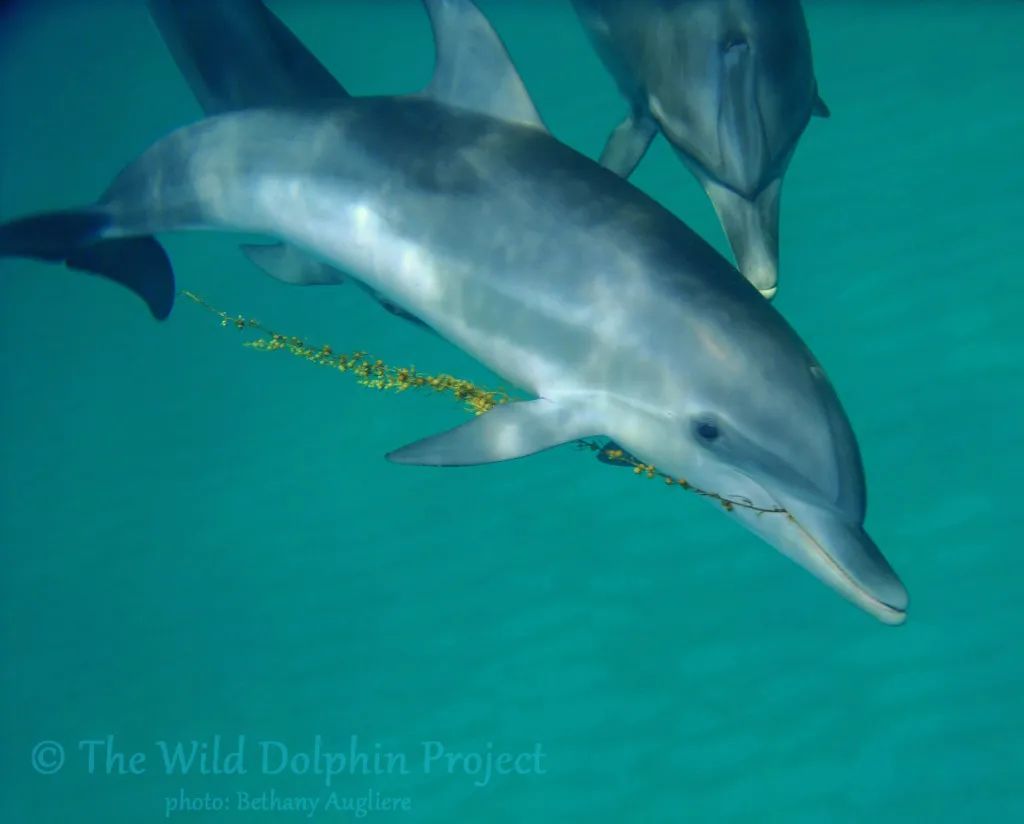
(706, 429)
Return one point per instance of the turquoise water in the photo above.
(199, 540)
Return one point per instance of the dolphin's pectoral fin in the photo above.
(508, 431)
(820, 108)
(472, 69)
(752, 227)
(627, 145)
(289, 265)
(76, 238)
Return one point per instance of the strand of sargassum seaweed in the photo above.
(375, 374)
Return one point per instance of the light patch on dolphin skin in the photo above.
(359, 237)
(379, 249)
(363, 219)
(555, 307)
(210, 189)
(713, 345)
(510, 440)
(530, 368)
(612, 319)
(413, 262)
(215, 172)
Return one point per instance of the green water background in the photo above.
(198, 539)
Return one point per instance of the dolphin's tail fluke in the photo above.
(76, 238)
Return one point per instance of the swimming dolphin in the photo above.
(731, 84)
(557, 274)
(237, 54)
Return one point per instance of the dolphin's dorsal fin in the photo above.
(472, 68)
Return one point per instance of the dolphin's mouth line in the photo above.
(853, 590)
(882, 610)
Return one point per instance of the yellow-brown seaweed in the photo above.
(375, 374)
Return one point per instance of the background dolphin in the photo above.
(236, 54)
(731, 84)
(563, 278)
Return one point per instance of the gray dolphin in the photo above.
(237, 54)
(560, 276)
(731, 84)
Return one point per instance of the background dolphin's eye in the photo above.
(706, 430)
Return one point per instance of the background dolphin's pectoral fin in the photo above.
(628, 144)
(819, 108)
(76, 238)
(290, 265)
(473, 69)
(399, 312)
(508, 431)
(293, 266)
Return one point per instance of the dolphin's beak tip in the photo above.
(892, 617)
(845, 557)
(893, 609)
(893, 600)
